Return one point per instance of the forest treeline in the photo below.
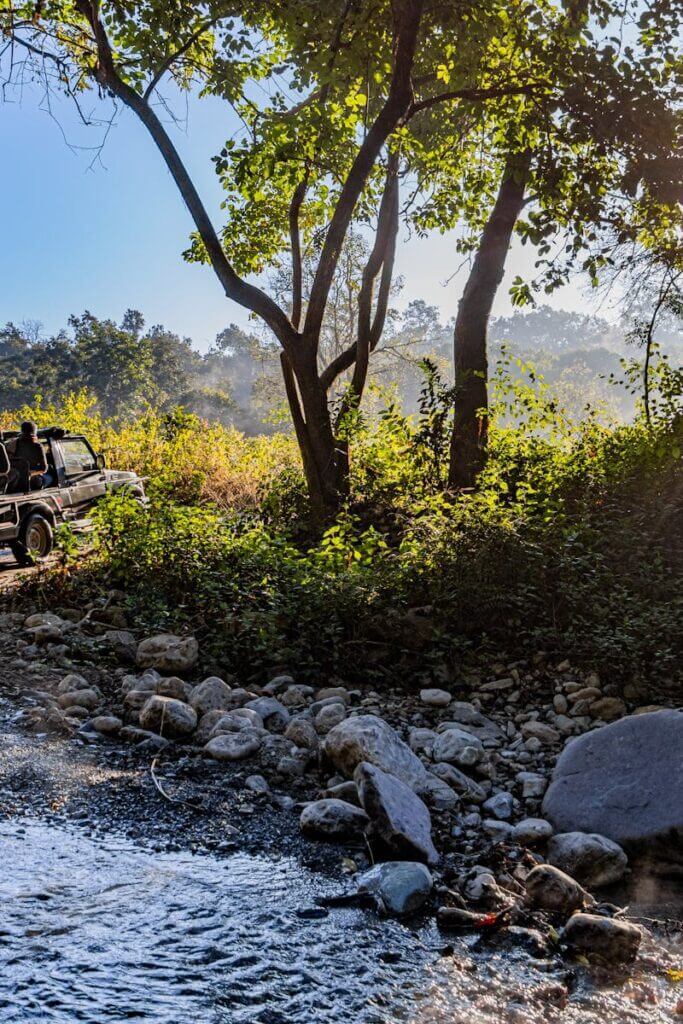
(128, 367)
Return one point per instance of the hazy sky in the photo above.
(106, 233)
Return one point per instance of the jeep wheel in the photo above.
(36, 541)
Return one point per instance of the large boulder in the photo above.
(401, 885)
(168, 716)
(168, 653)
(588, 857)
(399, 818)
(624, 781)
(370, 739)
(333, 819)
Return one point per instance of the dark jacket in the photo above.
(32, 451)
(4, 460)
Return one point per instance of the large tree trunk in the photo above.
(470, 426)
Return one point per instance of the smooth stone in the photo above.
(531, 831)
(435, 698)
(402, 886)
(456, 746)
(500, 805)
(602, 938)
(89, 699)
(107, 725)
(234, 746)
(213, 694)
(548, 888)
(168, 716)
(168, 653)
(333, 819)
(590, 858)
(274, 715)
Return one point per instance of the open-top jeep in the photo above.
(78, 479)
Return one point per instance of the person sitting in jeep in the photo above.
(27, 448)
(4, 468)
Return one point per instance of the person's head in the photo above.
(29, 428)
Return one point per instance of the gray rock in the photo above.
(213, 694)
(531, 831)
(465, 714)
(500, 805)
(168, 653)
(548, 888)
(624, 781)
(168, 717)
(207, 723)
(602, 938)
(533, 784)
(107, 725)
(336, 692)
(275, 715)
(588, 857)
(278, 685)
(295, 696)
(131, 734)
(437, 793)
(421, 741)
(135, 700)
(89, 699)
(608, 709)
(328, 717)
(370, 739)
(462, 784)
(256, 784)
(398, 815)
(72, 683)
(234, 746)
(230, 721)
(302, 734)
(540, 731)
(333, 819)
(346, 791)
(173, 686)
(435, 698)
(402, 886)
(456, 746)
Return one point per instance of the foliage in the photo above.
(571, 545)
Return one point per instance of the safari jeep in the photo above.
(28, 517)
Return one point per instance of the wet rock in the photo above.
(168, 716)
(89, 699)
(624, 781)
(548, 888)
(175, 687)
(328, 717)
(458, 920)
(367, 738)
(234, 746)
(531, 831)
(333, 819)
(458, 747)
(107, 725)
(462, 784)
(399, 817)
(402, 886)
(168, 653)
(500, 805)
(435, 698)
(590, 858)
(602, 938)
(302, 734)
(213, 694)
(275, 715)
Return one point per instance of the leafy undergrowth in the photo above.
(572, 544)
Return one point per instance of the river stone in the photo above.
(437, 793)
(624, 781)
(371, 739)
(211, 695)
(107, 725)
(135, 700)
(500, 805)
(602, 938)
(168, 653)
(589, 858)
(456, 746)
(206, 726)
(608, 709)
(168, 716)
(333, 819)
(174, 686)
(274, 715)
(464, 786)
(548, 888)
(89, 699)
(465, 714)
(329, 716)
(531, 831)
(540, 731)
(234, 746)
(435, 698)
(302, 734)
(72, 683)
(398, 815)
(230, 721)
(402, 886)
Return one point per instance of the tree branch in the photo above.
(295, 242)
(172, 57)
(494, 92)
(407, 19)
(235, 287)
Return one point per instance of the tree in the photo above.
(363, 72)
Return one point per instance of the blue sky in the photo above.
(106, 233)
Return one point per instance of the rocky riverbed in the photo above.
(518, 811)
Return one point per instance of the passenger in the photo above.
(26, 446)
(4, 468)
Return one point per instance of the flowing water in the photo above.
(105, 931)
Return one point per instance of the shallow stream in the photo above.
(105, 931)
